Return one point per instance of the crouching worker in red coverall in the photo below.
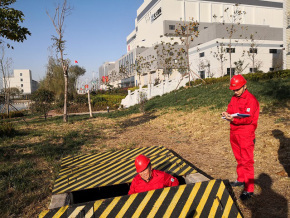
(242, 133)
(148, 178)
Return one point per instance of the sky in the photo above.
(95, 32)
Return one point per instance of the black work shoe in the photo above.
(237, 183)
(246, 195)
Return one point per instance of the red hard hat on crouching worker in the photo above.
(237, 82)
(141, 162)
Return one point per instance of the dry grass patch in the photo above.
(199, 136)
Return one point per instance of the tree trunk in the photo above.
(7, 103)
(65, 96)
(253, 64)
(89, 101)
(187, 56)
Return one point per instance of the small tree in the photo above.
(61, 12)
(240, 66)
(220, 55)
(43, 99)
(235, 21)
(252, 53)
(5, 64)
(14, 91)
(186, 32)
(125, 71)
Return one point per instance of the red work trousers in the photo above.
(243, 148)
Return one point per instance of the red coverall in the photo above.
(159, 179)
(242, 136)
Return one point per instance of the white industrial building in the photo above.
(22, 79)
(157, 21)
(286, 34)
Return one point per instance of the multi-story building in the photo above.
(157, 21)
(157, 18)
(123, 74)
(253, 48)
(22, 79)
(104, 72)
(286, 34)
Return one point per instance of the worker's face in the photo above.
(146, 174)
(239, 92)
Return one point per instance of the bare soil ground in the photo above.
(202, 138)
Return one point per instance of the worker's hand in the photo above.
(227, 116)
(224, 114)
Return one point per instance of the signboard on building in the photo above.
(156, 14)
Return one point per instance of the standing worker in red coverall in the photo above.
(242, 133)
(149, 179)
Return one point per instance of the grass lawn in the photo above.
(186, 121)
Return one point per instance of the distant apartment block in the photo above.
(22, 79)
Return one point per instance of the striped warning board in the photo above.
(112, 168)
(206, 199)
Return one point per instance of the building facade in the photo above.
(286, 34)
(22, 79)
(157, 18)
(257, 44)
(253, 48)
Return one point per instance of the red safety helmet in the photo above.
(237, 82)
(141, 162)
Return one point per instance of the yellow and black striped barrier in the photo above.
(206, 199)
(112, 168)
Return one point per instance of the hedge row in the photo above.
(250, 76)
(11, 114)
(113, 101)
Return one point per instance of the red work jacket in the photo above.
(158, 180)
(245, 104)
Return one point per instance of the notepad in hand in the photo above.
(238, 115)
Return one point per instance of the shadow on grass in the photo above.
(136, 121)
(28, 170)
(284, 150)
(268, 203)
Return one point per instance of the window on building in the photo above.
(201, 54)
(21, 80)
(136, 29)
(253, 50)
(288, 48)
(202, 74)
(231, 50)
(20, 74)
(229, 71)
(288, 21)
(21, 85)
(271, 69)
(273, 51)
(171, 27)
(253, 71)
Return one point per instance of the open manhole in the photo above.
(97, 185)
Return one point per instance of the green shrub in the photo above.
(133, 88)
(6, 129)
(81, 99)
(102, 101)
(250, 77)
